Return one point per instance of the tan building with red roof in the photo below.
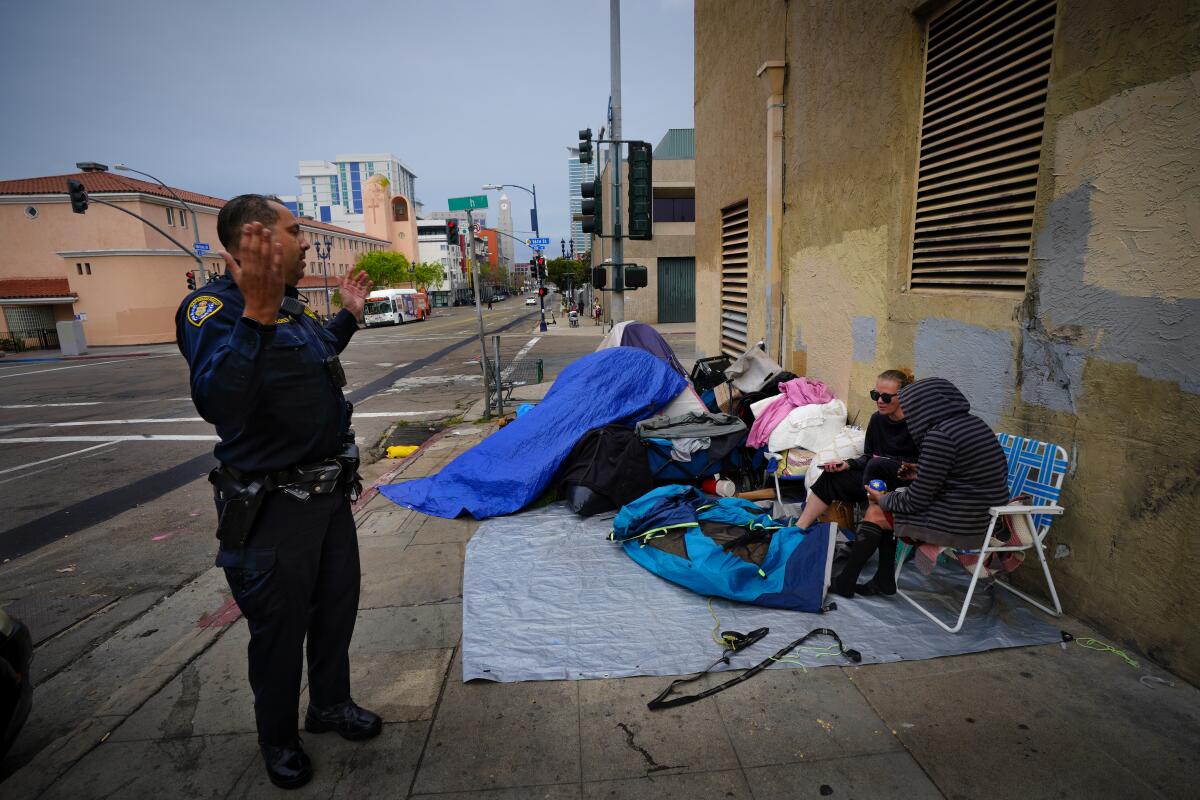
(120, 276)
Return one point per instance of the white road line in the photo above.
(52, 405)
(47, 469)
(55, 458)
(520, 354)
(89, 422)
(81, 366)
(145, 437)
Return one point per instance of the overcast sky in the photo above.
(225, 96)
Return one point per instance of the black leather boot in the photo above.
(288, 766)
(866, 539)
(350, 721)
(884, 582)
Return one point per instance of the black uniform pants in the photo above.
(297, 576)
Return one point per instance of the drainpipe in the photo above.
(773, 305)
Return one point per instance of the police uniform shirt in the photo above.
(266, 388)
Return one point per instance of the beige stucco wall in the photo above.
(1099, 354)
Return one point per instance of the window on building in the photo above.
(987, 66)
(87, 267)
(78, 268)
(182, 218)
(674, 209)
(735, 276)
(170, 216)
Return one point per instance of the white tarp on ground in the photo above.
(547, 597)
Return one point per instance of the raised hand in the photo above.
(354, 290)
(258, 272)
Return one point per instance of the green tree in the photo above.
(384, 268)
(559, 269)
(428, 274)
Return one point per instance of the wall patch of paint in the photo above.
(1073, 319)
(979, 361)
(862, 331)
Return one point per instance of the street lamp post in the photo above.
(192, 211)
(323, 249)
(536, 233)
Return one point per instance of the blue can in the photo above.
(877, 485)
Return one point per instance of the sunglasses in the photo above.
(884, 396)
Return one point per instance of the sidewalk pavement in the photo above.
(115, 351)
(588, 328)
(1051, 721)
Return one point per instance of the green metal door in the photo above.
(677, 290)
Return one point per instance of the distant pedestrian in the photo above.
(597, 314)
(267, 375)
(489, 304)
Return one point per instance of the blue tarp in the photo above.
(512, 467)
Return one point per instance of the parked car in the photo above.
(531, 301)
(16, 686)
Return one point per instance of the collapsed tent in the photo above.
(643, 337)
(512, 467)
(727, 547)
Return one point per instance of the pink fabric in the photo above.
(792, 395)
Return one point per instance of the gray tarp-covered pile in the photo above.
(547, 597)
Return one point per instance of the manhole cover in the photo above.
(411, 434)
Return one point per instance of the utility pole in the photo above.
(617, 306)
(473, 266)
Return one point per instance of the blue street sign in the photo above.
(201, 248)
(540, 242)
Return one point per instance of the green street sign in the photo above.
(468, 203)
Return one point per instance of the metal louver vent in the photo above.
(987, 65)
(735, 276)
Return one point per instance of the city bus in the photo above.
(395, 307)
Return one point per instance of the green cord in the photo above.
(1096, 644)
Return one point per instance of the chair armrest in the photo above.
(1001, 511)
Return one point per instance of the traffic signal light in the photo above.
(191, 279)
(589, 207)
(641, 193)
(541, 264)
(599, 277)
(585, 146)
(635, 277)
(452, 232)
(542, 291)
(79, 198)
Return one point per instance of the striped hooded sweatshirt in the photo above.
(961, 471)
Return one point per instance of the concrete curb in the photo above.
(38, 359)
(54, 760)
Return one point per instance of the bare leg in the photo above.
(813, 508)
(875, 514)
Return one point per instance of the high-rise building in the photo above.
(578, 173)
(505, 226)
(332, 191)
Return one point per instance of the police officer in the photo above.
(265, 372)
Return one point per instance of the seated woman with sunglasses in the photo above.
(889, 455)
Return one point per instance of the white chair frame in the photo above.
(1037, 543)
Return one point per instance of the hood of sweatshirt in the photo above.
(929, 401)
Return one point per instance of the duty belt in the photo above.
(324, 477)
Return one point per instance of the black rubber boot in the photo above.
(884, 582)
(866, 539)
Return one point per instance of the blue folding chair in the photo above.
(1035, 470)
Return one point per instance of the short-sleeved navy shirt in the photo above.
(266, 388)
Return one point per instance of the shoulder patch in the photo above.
(203, 307)
(308, 311)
